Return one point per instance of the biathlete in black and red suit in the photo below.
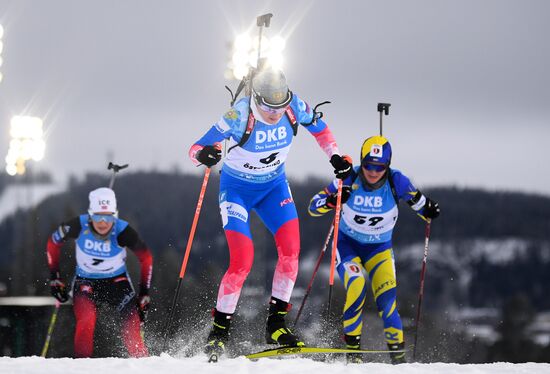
(101, 239)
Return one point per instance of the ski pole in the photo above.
(50, 329)
(116, 168)
(421, 291)
(334, 242)
(187, 251)
(314, 273)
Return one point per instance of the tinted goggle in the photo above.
(108, 218)
(373, 167)
(266, 106)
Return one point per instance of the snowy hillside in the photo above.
(167, 364)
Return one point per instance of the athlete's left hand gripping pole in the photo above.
(421, 291)
(50, 329)
(116, 168)
(187, 251)
(334, 243)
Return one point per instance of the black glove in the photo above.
(144, 302)
(331, 199)
(58, 288)
(431, 209)
(210, 155)
(342, 166)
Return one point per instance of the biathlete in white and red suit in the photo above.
(253, 178)
(101, 239)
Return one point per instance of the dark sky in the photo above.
(468, 81)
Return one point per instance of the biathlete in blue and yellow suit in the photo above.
(370, 199)
(260, 131)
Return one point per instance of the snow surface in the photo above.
(198, 365)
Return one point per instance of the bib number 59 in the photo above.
(373, 221)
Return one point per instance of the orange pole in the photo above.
(195, 221)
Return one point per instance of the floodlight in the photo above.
(277, 43)
(11, 169)
(239, 72)
(243, 43)
(26, 143)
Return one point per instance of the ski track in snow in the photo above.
(198, 365)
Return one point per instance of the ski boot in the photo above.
(398, 357)
(218, 336)
(353, 342)
(276, 331)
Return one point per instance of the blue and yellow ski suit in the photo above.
(365, 245)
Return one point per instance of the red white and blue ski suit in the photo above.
(102, 278)
(253, 178)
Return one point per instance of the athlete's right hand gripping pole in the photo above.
(421, 291)
(383, 108)
(314, 273)
(187, 251)
(334, 243)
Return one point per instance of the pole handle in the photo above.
(384, 107)
(264, 20)
(116, 168)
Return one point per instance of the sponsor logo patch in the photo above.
(104, 247)
(271, 135)
(352, 268)
(286, 201)
(236, 211)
